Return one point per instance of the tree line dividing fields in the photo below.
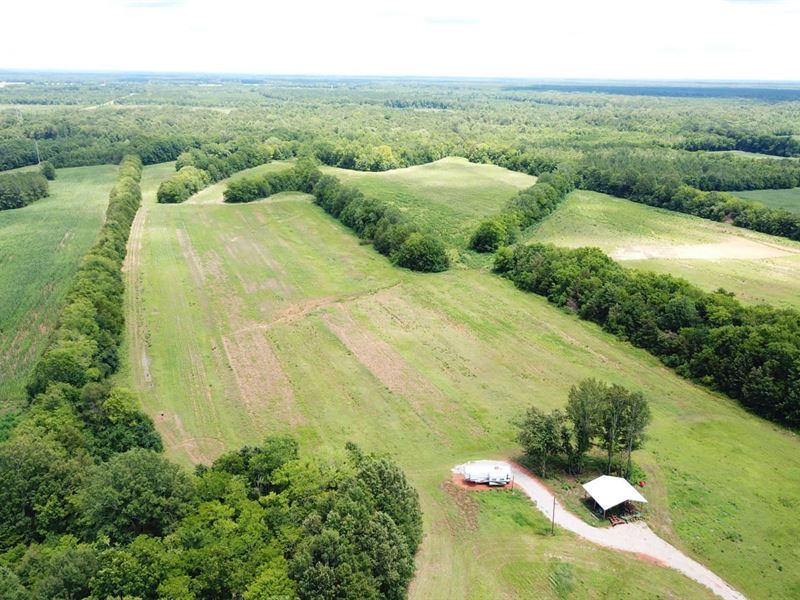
(271, 317)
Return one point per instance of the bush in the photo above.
(422, 252)
(186, 182)
(48, 170)
(490, 235)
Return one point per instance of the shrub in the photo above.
(48, 170)
(422, 252)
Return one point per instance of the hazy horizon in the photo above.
(685, 40)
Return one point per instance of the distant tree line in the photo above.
(657, 182)
(609, 416)
(750, 353)
(722, 139)
(20, 189)
(526, 208)
(392, 233)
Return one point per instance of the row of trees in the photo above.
(608, 416)
(71, 377)
(259, 524)
(182, 185)
(722, 139)
(20, 189)
(750, 353)
(526, 208)
(391, 232)
(199, 167)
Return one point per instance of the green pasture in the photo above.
(269, 317)
(785, 199)
(41, 246)
(449, 196)
(755, 266)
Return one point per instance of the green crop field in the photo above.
(213, 193)
(757, 267)
(786, 199)
(250, 319)
(449, 196)
(41, 246)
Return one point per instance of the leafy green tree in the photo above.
(490, 235)
(635, 419)
(422, 252)
(272, 582)
(36, 478)
(612, 412)
(11, 587)
(137, 492)
(583, 409)
(542, 435)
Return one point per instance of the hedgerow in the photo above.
(750, 353)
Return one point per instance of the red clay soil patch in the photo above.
(467, 509)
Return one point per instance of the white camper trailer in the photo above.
(487, 471)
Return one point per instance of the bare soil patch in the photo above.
(733, 248)
(262, 382)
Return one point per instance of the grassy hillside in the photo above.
(213, 193)
(786, 199)
(757, 267)
(449, 196)
(41, 246)
(267, 317)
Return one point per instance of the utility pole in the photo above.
(38, 158)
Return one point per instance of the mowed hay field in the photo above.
(41, 246)
(449, 196)
(786, 199)
(272, 317)
(755, 266)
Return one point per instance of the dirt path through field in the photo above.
(733, 248)
(637, 538)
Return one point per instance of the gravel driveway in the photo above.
(633, 537)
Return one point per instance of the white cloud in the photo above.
(684, 39)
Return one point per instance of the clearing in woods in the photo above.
(41, 246)
(213, 193)
(449, 196)
(755, 266)
(786, 199)
(272, 317)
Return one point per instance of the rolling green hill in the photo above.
(449, 196)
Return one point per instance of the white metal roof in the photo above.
(610, 491)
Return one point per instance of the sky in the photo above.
(617, 39)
